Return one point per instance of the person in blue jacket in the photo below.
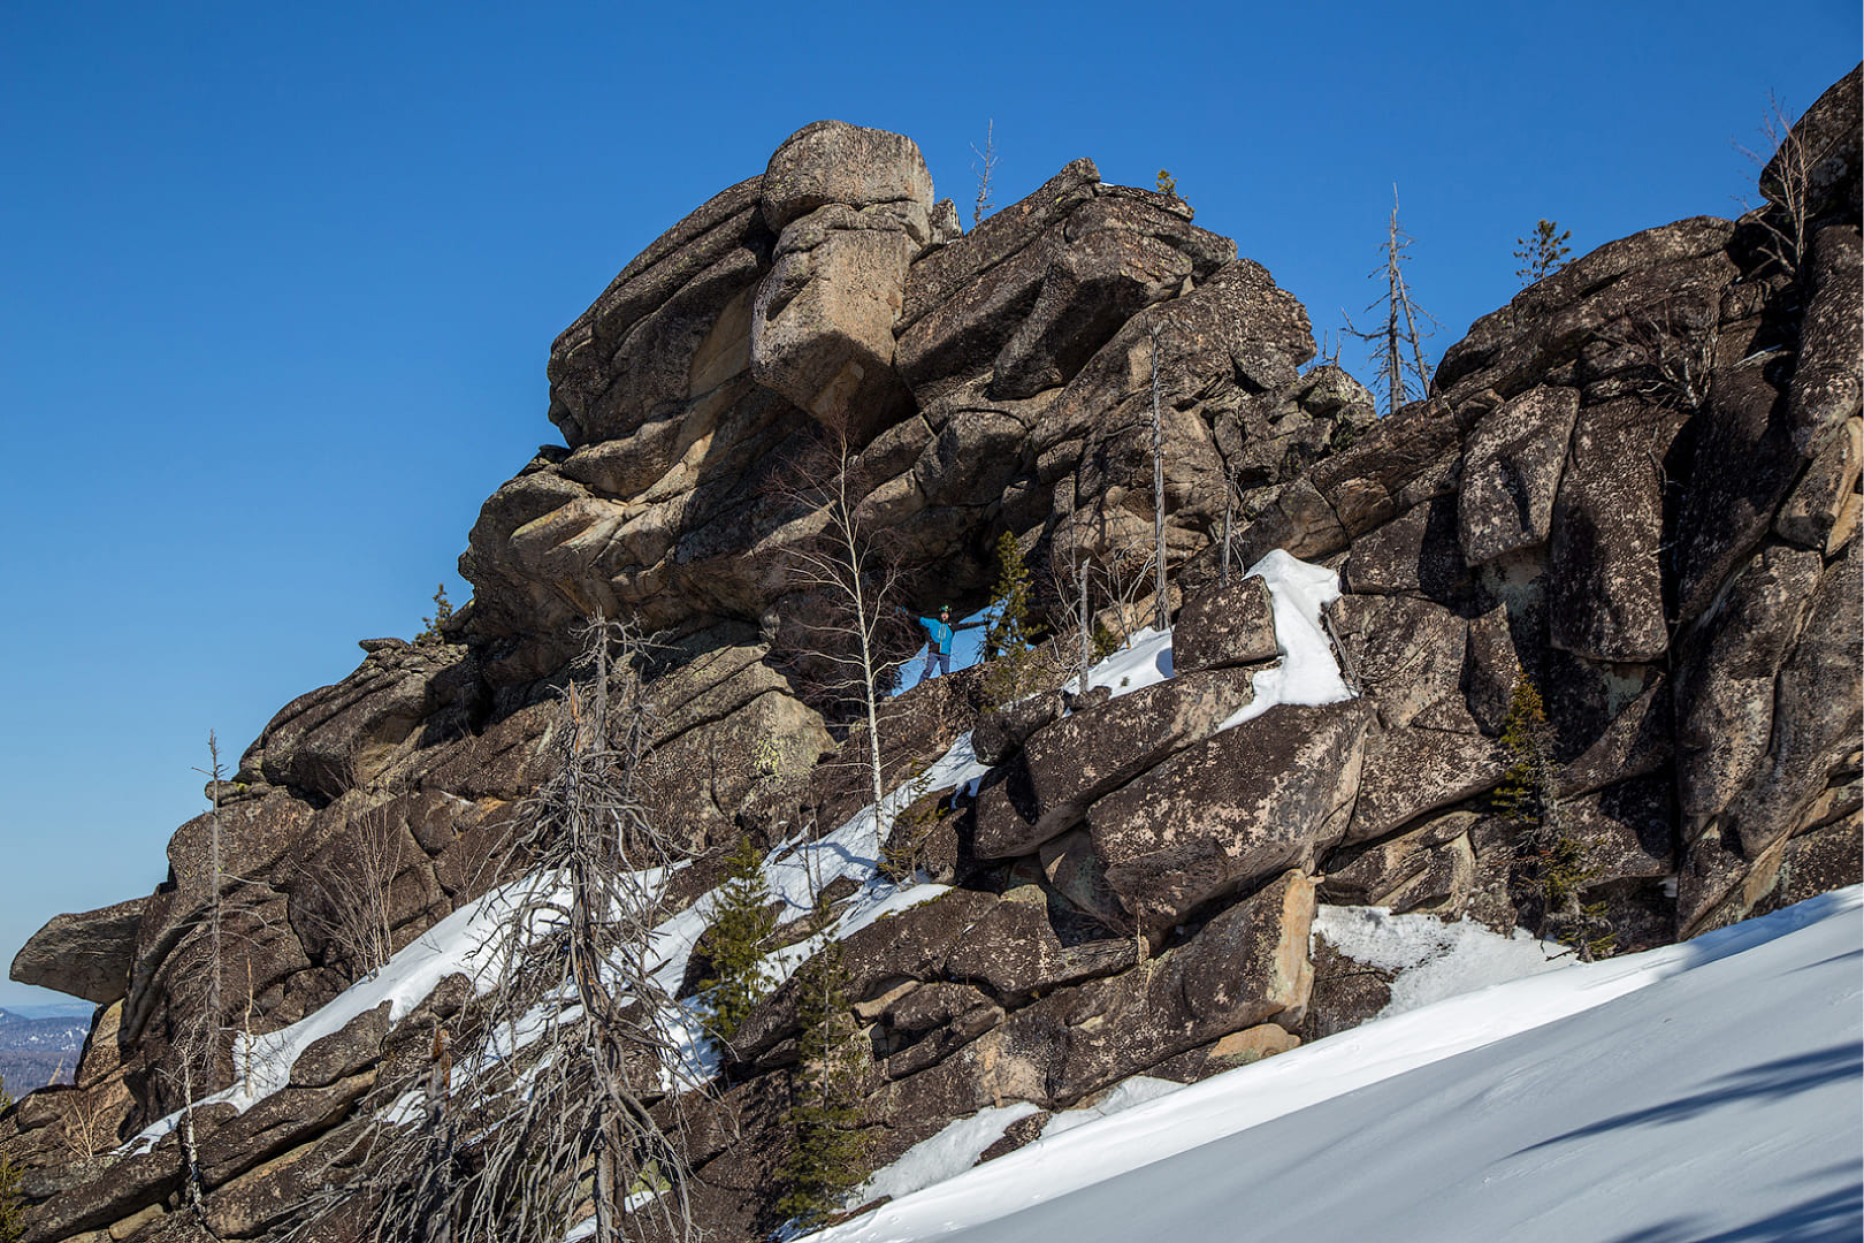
(938, 646)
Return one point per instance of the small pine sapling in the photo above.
(1543, 253)
(1007, 639)
(741, 936)
(826, 1159)
(433, 628)
(1555, 869)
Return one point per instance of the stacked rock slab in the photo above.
(1637, 486)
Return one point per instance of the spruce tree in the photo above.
(826, 1155)
(1007, 639)
(1555, 859)
(741, 935)
(1543, 254)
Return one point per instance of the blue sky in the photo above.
(280, 280)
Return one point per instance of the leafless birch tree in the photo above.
(856, 638)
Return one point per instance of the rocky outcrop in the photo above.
(1636, 486)
(86, 955)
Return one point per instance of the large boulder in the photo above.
(852, 208)
(1269, 794)
(1065, 767)
(1605, 580)
(1511, 473)
(1223, 626)
(87, 955)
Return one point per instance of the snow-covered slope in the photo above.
(1702, 1091)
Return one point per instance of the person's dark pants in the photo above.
(942, 658)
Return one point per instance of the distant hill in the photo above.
(35, 1051)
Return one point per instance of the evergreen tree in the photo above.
(1007, 639)
(1543, 254)
(826, 1157)
(443, 613)
(1554, 867)
(741, 936)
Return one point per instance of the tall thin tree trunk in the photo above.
(1161, 606)
(1394, 359)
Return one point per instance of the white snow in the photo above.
(946, 1155)
(472, 940)
(1434, 960)
(1143, 660)
(1707, 1090)
(1308, 672)
(1124, 1096)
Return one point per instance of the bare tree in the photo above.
(1673, 362)
(1161, 605)
(350, 888)
(853, 639)
(537, 1118)
(984, 165)
(1786, 162)
(1400, 333)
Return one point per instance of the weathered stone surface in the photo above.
(86, 955)
(343, 1052)
(1744, 461)
(1403, 653)
(834, 162)
(1605, 572)
(1252, 1045)
(1067, 766)
(913, 944)
(1345, 993)
(1636, 743)
(1815, 713)
(1547, 324)
(1001, 731)
(341, 736)
(1829, 150)
(937, 278)
(1368, 485)
(1077, 876)
(1828, 376)
(1511, 473)
(1120, 256)
(1428, 867)
(1415, 770)
(1823, 508)
(278, 1123)
(1269, 794)
(1625, 830)
(1826, 858)
(127, 1186)
(1245, 967)
(1223, 626)
(822, 321)
(1416, 553)
(1724, 688)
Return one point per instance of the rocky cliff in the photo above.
(1637, 484)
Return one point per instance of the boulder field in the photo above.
(1636, 485)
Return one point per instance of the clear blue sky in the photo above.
(279, 280)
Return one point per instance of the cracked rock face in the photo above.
(1637, 486)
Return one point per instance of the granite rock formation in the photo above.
(1637, 484)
